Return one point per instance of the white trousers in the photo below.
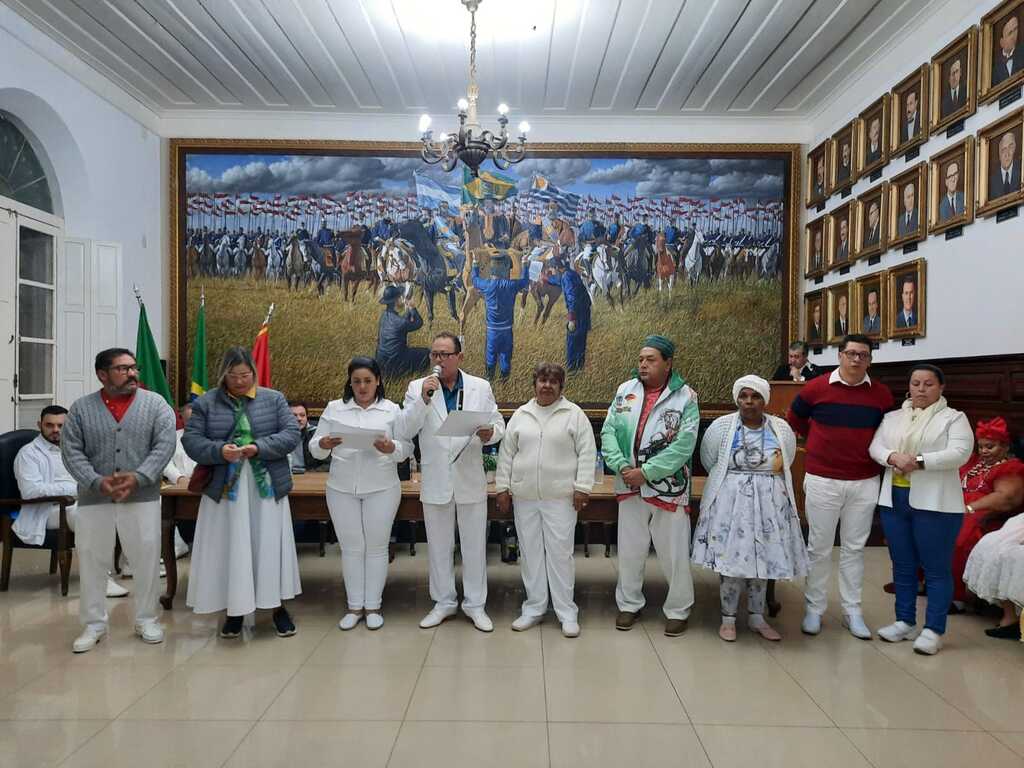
(850, 504)
(639, 524)
(546, 531)
(138, 525)
(439, 520)
(363, 524)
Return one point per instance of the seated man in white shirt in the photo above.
(178, 472)
(40, 472)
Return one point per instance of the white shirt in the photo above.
(361, 471)
(834, 377)
(40, 471)
(181, 464)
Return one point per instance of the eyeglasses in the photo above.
(857, 355)
(239, 376)
(124, 368)
(441, 355)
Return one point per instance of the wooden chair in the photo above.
(60, 542)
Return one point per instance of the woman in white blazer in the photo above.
(363, 489)
(922, 446)
(546, 465)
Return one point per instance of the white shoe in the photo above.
(811, 625)
(163, 569)
(88, 639)
(570, 629)
(855, 623)
(928, 642)
(349, 621)
(480, 620)
(436, 616)
(151, 632)
(180, 547)
(524, 622)
(115, 590)
(374, 620)
(895, 633)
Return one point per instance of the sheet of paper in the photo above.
(356, 438)
(463, 423)
(535, 269)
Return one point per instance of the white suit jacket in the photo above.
(442, 478)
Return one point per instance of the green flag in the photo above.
(199, 381)
(151, 375)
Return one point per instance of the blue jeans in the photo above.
(925, 539)
(498, 349)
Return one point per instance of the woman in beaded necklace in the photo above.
(749, 530)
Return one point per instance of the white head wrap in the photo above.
(750, 381)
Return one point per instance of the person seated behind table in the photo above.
(179, 471)
(39, 471)
(797, 367)
(301, 459)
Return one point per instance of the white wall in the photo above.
(973, 282)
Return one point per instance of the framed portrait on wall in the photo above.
(908, 106)
(814, 248)
(871, 230)
(815, 330)
(838, 297)
(907, 209)
(907, 299)
(1002, 52)
(840, 232)
(954, 81)
(873, 137)
(817, 174)
(841, 171)
(951, 187)
(869, 307)
(1000, 155)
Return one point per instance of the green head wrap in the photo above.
(661, 343)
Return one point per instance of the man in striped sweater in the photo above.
(838, 414)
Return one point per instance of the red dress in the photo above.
(977, 482)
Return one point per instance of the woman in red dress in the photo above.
(993, 484)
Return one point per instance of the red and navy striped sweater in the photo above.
(839, 422)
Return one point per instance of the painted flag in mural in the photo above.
(261, 354)
(543, 190)
(488, 185)
(434, 195)
(147, 357)
(199, 377)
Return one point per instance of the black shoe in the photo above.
(232, 627)
(1009, 632)
(283, 623)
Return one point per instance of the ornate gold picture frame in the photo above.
(954, 81)
(951, 187)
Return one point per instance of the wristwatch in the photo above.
(920, 461)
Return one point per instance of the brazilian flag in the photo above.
(489, 184)
(200, 382)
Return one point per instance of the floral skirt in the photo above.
(751, 530)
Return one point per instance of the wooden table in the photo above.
(308, 502)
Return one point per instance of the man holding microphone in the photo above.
(452, 485)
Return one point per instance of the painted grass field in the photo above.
(722, 331)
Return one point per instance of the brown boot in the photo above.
(675, 627)
(625, 620)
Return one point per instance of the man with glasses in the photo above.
(838, 414)
(115, 444)
(952, 202)
(453, 487)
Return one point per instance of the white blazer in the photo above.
(443, 478)
(946, 445)
(361, 471)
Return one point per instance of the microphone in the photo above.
(435, 371)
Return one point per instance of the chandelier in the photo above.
(471, 144)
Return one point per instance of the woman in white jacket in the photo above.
(363, 489)
(546, 464)
(922, 446)
(749, 530)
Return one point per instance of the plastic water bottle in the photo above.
(599, 468)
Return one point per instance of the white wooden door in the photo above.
(8, 317)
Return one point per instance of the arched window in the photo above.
(22, 177)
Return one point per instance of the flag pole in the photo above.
(269, 313)
(138, 293)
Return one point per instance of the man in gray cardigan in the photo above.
(116, 443)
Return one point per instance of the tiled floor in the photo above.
(453, 696)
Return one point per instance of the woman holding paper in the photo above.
(363, 489)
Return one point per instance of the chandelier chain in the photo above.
(472, 45)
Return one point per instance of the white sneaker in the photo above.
(928, 643)
(895, 633)
(151, 632)
(524, 622)
(349, 621)
(88, 639)
(115, 590)
(180, 547)
(163, 569)
(811, 625)
(480, 620)
(374, 620)
(570, 629)
(855, 623)
(436, 616)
